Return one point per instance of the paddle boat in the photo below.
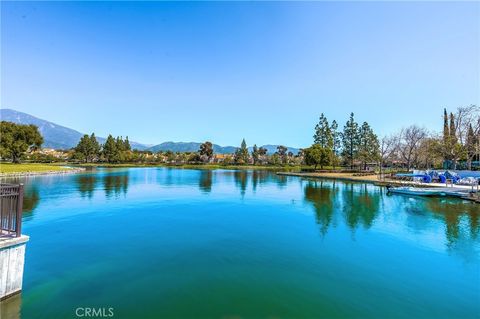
(408, 190)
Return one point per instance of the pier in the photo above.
(12, 242)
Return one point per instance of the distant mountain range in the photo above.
(189, 147)
(61, 137)
(54, 135)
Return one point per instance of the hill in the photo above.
(60, 137)
(194, 146)
(54, 135)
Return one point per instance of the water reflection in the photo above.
(86, 184)
(115, 184)
(452, 212)
(31, 198)
(241, 180)
(259, 177)
(322, 195)
(282, 181)
(352, 205)
(360, 204)
(205, 180)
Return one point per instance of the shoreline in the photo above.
(77, 168)
(373, 179)
(194, 166)
(52, 172)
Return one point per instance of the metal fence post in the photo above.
(18, 226)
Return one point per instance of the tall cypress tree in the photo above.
(453, 129)
(447, 140)
(446, 131)
(350, 140)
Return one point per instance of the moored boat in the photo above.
(408, 190)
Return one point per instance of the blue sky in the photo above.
(224, 71)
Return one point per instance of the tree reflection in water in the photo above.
(282, 181)
(360, 204)
(205, 180)
(115, 184)
(322, 195)
(86, 184)
(241, 180)
(31, 198)
(452, 211)
(259, 177)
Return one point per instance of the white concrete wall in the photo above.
(12, 259)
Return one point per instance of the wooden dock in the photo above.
(459, 191)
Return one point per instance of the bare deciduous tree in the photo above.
(464, 117)
(388, 148)
(411, 138)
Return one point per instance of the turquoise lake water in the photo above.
(177, 243)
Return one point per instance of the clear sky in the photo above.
(224, 71)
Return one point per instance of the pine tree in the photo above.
(368, 147)
(110, 150)
(87, 148)
(241, 155)
(81, 150)
(350, 141)
(323, 134)
(120, 144)
(95, 146)
(335, 142)
(126, 145)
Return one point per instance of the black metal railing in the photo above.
(11, 205)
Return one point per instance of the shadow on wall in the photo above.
(10, 308)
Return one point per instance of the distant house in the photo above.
(52, 152)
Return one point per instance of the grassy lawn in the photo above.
(10, 168)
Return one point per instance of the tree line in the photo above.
(355, 146)
(114, 150)
(411, 147)
(331, 147)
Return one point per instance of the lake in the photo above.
(178, 243)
